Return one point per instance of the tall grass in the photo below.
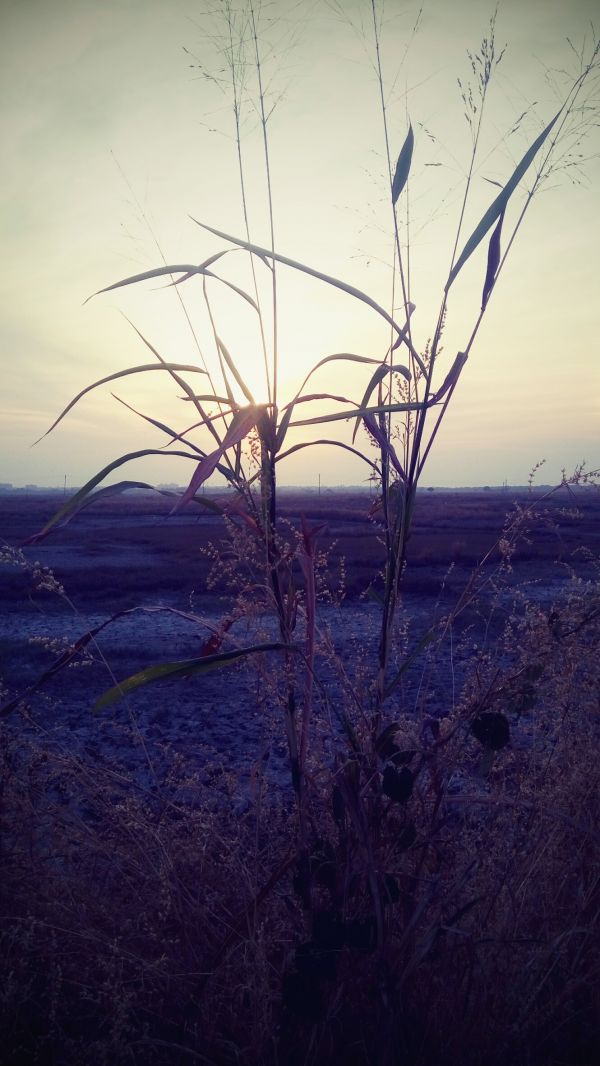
(404, 906)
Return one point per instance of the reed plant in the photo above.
(393, 882)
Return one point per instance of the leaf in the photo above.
(382, 371)
(491, 729)
(383, 409)
(121, 374)
(77, 501)
(241, 424)
(406, 837)
(157, 424)
(184, 668)
(298, 398)
(493, 262)
(410, 308)
(386, 447)
(361, 934)
(314, 961)
(188, 271)
(452, 376)
(179, 381)
(499, 204)
(385, 745)
(301, 995)
(338, 807)
(390, 889)
(268, 253)
(334, 443)
(403, 165)
(234, 370)
(408, 662)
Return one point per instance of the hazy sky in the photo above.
(113, 135)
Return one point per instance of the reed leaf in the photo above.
(493, 262)
(77, 501)
(156, 423)
(336, 443)
(188, 367)
(234, 370)
(385, 444)
(184, 668)
(382, 371)
(403, 165)
(452, 376)
(241, 424)
(499, 204)
(358, 294)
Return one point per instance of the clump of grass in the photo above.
(394, 911)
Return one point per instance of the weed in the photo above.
(429, 894)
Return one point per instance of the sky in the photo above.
(117, 132)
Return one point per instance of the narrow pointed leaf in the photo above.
(382, 372)
(267, 253)
(337, 443)
(499, 204)
(348, 356)
(383, 409)
(76, 502)
(234, 370)
(184, 668)
(188, 270)
(187, 367)
(176, 378)
(493, 262)
(452, 376)
(156, 423)
(109, 490)
(403, 165)
(386, 446)
(241, 424)
(147, 275)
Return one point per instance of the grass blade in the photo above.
(121, 374)
(241, 424)
(337, 443)
(382, 371)
(403, 165)
(499, 204)
(234, 370)
(185, 668)
(72, 506)
(383, 409)
(493, 262)
(452, 375)
(358, 294)
(285, 421)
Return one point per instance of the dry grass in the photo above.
(157, 924)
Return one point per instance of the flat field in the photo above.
(127, 554)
